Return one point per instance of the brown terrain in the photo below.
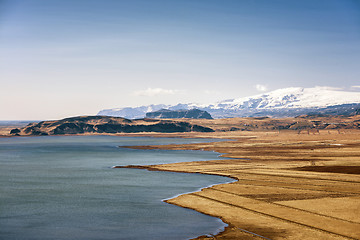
(291, 184)
(297, 178)
(104, 125)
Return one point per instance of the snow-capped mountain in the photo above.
(279, 103)
(140, 112)
(316, 97)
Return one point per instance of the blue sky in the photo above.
(62, 58)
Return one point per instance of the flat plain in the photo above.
(290, 184)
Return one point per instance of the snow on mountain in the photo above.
(281, 102)
(132, 112)
(316, 97)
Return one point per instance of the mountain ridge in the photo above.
(166, 113)
(284, 102)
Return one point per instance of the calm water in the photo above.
(64, 188)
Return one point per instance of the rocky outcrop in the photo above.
(193, 113)
(105, 124)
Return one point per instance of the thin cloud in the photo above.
(152, 92)
(261, 88)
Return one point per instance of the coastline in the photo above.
(169, 200)
(80, 167)
(274, 200)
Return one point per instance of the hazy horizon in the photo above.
(67, 58)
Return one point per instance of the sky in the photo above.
(63, 58)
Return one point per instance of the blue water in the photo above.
(63, 187)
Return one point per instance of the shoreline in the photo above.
(130, 192)
(168, 200)
(273, 197)
(219, 231)
(275, 200)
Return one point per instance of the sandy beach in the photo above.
(289, 185)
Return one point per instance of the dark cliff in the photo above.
(193, 113)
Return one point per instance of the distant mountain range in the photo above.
(286, 102)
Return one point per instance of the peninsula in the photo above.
(105, 125)
(291, 184)
(297, 178)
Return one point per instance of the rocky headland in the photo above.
(105, 125)
(306, 124)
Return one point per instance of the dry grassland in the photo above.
(289, 185)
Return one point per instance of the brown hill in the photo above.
(105, 124)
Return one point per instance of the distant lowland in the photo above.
(286, 102)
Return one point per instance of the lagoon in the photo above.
(63, 187)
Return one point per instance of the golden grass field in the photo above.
(290, 185)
